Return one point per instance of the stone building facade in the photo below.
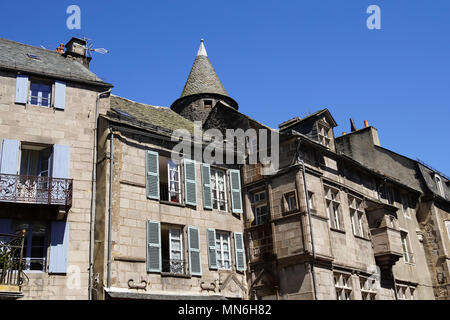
(48, 103)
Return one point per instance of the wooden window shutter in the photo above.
(9, 161)
(61, 161)
(153, 246)
(60, 95)
(207, 190)
(190, 182)
(239, 251)
(21, 89)
(195, 260)
(212, 255)
(236, 199)
(59, 247)
(152, 174)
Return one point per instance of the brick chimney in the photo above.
(60, 49)
(76, 49)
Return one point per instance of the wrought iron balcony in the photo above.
(11, 265)
(173, 266)
(36, 190)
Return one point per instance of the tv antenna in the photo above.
(90, 48)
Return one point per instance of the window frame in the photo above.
(323, 136)
(408, 255)
(258, 204)
(178, 171)
(287, 203)
(357, 216)
(220, 258)
(370, 290)
(40, 82)
(215, 190)
(335, 218)
(439, 185)
(343, 286)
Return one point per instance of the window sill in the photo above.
(362, 238)
(175, 275)
(177, 204)
(337, 230)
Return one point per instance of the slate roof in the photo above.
(160, 119)
(15, 56)
(203, 78)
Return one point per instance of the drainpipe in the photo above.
(111, 167)
(309, 218)
(93, 191)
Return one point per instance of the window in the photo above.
(439, 185)
(290, 202)
(219, 189)
(405, 292)
(223, 250)
(169, 180)
(357, 216)
(259, 206)
(208, 104)
(343, 286)
(407, 254)
(333, 204)
(35, 160)
(35, 246)
(40, 94)
(172, 249)
(389, 194)
(311, 200)
(368, 288)
(447, 225)
(405, 205)
(323, 134)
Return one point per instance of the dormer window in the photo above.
(439, 185)
(323, 134)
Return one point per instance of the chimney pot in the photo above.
(60, 49)
(344, 133)
(366, 123)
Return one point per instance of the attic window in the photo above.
(438, 180)
(208, 104)
(323, 134)
(33, 56)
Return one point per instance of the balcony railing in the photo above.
(37, 190)
(12, 262)
(173, 266)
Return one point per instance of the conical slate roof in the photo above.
(203, 78)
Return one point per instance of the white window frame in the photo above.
(408, 256)
(323, 134)
(440, 187)
(357, 216)
(177, 182)
(332, 201)
(343, 286)
(220, 251)
(215, 189)
(39, 96)
(174, 265)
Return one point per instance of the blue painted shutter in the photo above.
(236, 199)
(190, 182)
(60, 95)
(21, 89)
(5, 228)
(10, 156)
(153, 246)
(195, 260)
(61, 161)
(212, 255)
(239, 251)
(59, 247)
(152, 174)
(207, 190)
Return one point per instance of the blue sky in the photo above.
(278, 59)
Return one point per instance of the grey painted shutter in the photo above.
(60, 95)
(207, 190)
(10, 156)
(195, 260)
(61, 161)
(239, 251)
(152, 175)
(59, 245)
(153, 246)
(21, 89)
(190, 182)
(5, 228)
(236, 199)
(212, 255)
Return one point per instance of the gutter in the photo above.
(309, 218)
(111, 167)
(93, 196)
